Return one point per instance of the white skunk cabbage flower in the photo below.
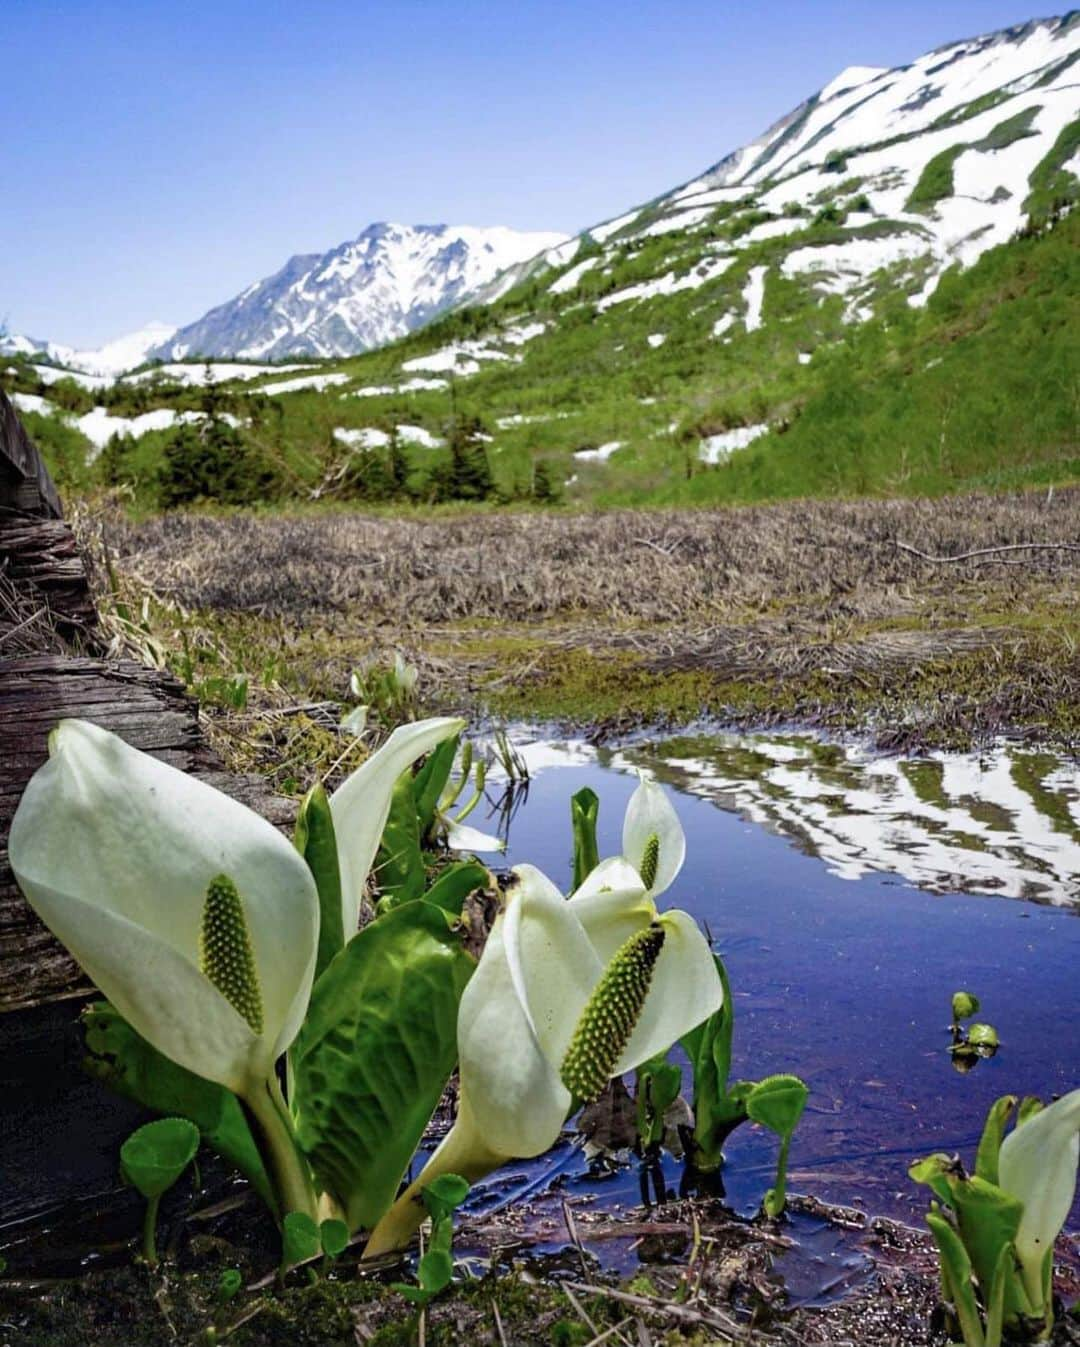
(653, 841)
(1037, 1163)
(567, 995)
(361, 805)
(193, 915)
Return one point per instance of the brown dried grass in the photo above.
(625, 566)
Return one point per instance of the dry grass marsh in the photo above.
(813, 611)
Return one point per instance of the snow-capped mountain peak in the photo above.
(361, 294)
(107, 361)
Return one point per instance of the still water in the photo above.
(850, 895)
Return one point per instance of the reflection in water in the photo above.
(1005, 821)
(846, 893)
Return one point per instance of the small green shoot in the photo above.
(436, 1267)
(229, 1284)
(964, 1006)
(301, 1240)
(658, 1085)
(584, 808)
(777, 1102)
(152, 1159)
(976, 1041)
(335, 1238)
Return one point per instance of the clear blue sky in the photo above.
(159, 155)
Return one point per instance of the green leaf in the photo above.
(956, 1278)
(123, 1060)
(229, 1284)
(986, 1158)
(455, 884)
(584, 808)
(435, 1271)
(375, 1052)
(995, 1301)
(988, 1219)
(399, 866)
(444, 1194)
(1029, 1106)
(430, 782)
(983, 1036)
(301, 1240)
(777, 1102)
(316, 842)
(334, 1236)
(155, 1156)
(964, 1005)
(935, 1171)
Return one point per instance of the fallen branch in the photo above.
(988, 551)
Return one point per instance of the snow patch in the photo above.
(656, 339)
(600, 455)
(315, 381)
(568, 280)
(754, 297)
(716, 448)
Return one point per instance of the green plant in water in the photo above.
(441, 1198)
(777, 1102)
(973, 1042)
(567, 994)
(151, 1160)
(720, 1106)
(995, 1228)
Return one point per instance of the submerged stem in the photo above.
(287, 1165)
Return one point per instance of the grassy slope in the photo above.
(977, 389)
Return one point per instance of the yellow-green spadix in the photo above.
(1037, 1163)
(567, 994)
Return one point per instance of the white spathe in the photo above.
(361, 805)
(651, 815)
(1037, 1163)
(115, 850)
(541, 964)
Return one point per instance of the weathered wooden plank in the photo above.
(25, 483)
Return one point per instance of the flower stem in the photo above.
(149, 1231)
(462, 1151)
(288, 1167)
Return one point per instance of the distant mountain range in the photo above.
(364, 293)
(106, 362)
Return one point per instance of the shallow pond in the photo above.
(850, 895)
